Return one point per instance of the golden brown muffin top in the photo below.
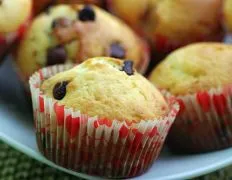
(13, 13)
(176, 21)
(184, 20)
(108, 88)
(63, 35)
(194, 68)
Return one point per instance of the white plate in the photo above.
(16, 129)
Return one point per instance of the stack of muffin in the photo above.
(93, 111)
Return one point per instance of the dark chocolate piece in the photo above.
(117, 51)
(86, 14)
(128, 67)
(59, 90)
(56, 55)
(61, 22)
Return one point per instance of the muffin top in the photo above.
(184, 21)
(13, 13)
(171, 22)
(194, 68)
(227, 14)
(73, 33)
(109, 88)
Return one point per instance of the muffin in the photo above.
(88, 118)
(14, 16)
(198, 76)
(41, 5)
(70, 34)
(170, 24)
(227, 14)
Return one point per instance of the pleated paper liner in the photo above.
(92, 145)
(204, 122)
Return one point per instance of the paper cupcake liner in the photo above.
(93, 145)
(204, 122)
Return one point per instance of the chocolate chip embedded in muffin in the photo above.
(61, 22)
(59, 90)
(86, 14)
(80, 40)
(128, 67)
(117, 51)
(56, 55)
(94, 92)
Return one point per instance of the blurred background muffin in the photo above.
(169, 24)
(227, 14)
(40, 5)
(14, 17)
(198, 75)
(71, 34)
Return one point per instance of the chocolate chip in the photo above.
(61, 22)
(128, 67)
(56, 55)
(59, 90)
(87, 14)
(117, 51)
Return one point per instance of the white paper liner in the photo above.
(108, 148)
(204, 123)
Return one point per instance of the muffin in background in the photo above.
(171, 24)
(198, 76)
(227, 14)
(100, 117)
(72, 33)
(14, 17)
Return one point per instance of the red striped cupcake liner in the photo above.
(204, 122)
(96, 146)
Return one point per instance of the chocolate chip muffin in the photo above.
(14, 15)
(197, 67)
(101, 117)
(41, 5)
(227, 14)
(170, 24)
(71, 34)
(198, 76)
(99, 85)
